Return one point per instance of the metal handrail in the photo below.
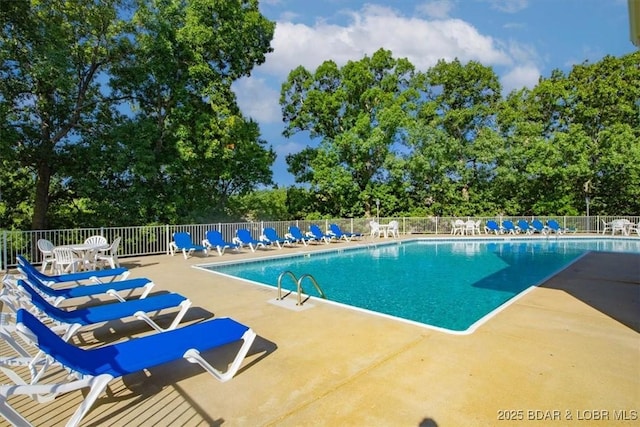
(282, 275)
(298, 282)
(315, 283)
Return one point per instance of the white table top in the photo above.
(83, 247)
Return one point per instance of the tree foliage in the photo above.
(121, 111)
(356, 111)
(447, 142)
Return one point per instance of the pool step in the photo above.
(290, 304)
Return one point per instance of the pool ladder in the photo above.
(300, 289)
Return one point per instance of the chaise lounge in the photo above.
(70, 321)
(296, 235)
(57, 295)
(244, 238)
(214, 239)
(336, 232)
(270, 236)
(316, 233)
(95, 368)
(99, 276)
(182, 242)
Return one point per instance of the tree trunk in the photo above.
(41, 206)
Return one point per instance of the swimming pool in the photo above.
(451, 285)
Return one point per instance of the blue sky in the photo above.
(520, 39)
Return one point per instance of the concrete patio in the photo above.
(566, 353)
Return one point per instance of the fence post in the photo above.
(3, 257)
(167, 239)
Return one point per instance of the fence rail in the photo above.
(155, 239)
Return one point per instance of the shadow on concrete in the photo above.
(145, 385)
(608, 282)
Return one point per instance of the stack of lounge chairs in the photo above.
(41, 335)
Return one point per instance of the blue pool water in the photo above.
(449, 285)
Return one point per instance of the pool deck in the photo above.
(565, 353)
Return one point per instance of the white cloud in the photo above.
(521, 53)
(288, 16)
(437, 9)
(258, 100)
(422, 41)
(509, 6)
(291, 146)
(519, 77)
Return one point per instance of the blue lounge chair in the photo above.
(244, 238)
(318, 235)
(336, 232)
(524, 227)
(57, 295)
(214, 239)
(492, 227)
(182, 242)
(270, 235)
(538, 227)
(295, 235)
(70, 321)
(509, 227)
(95, 368)
(553, 225)
(99, 276)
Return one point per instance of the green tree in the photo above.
(192, 145)
(261, 205)
(453, 138)
(574, 136)
(356, 111)
(122, 109)
(605, 119)
(52, 54)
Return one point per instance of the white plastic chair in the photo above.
(453, 227)
(96, 241)
(470, 227)
(66, 260)
(394, 228)
(46, 248)
(457, 226)
(110, 255)
(375, 228)
(619, 225)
